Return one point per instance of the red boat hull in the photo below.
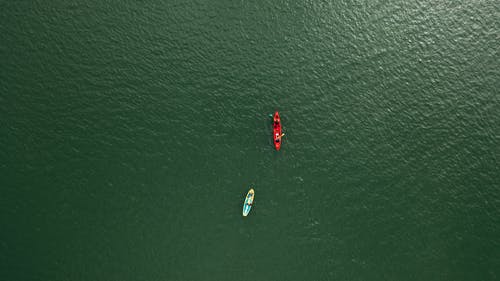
(277, 131)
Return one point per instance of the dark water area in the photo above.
(131, 132)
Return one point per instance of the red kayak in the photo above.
(277, 131)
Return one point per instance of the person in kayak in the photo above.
(278, 138)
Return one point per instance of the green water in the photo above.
(132, 130)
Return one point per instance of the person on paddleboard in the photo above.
(249, 197)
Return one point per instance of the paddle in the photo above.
(279, 138)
